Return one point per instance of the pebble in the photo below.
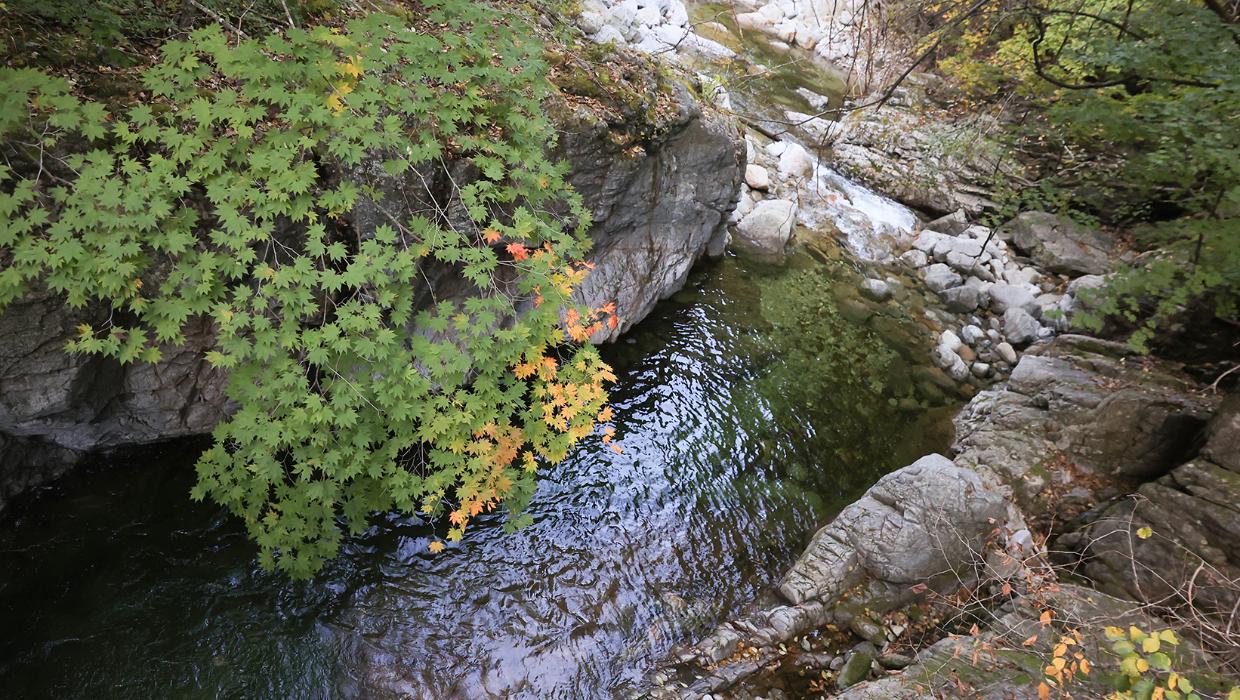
(1007, 352)
(971, 334)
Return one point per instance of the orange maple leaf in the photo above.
(490, 236)
(518, 251)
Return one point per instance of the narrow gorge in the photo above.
(871, 439)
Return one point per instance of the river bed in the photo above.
(739, 439)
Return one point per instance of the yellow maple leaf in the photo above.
(436, 547)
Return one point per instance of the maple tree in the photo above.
(229, 195)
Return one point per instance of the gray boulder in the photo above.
(1004, 296)
(768, 227)
(921, 523)
(1059, 244)
(947, 360)
(1083, 401)
(939, 277)
(1019, 327)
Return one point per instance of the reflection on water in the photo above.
(740, 436)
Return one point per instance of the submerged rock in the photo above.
(857, 665)
(876, 290)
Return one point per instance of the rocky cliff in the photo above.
(656, 211)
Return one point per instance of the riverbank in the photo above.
(1079, 453)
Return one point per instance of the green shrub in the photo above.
(229, 196)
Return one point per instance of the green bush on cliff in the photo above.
(1135, 108)
(230, 192)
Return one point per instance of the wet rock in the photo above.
(769, 226)
(815, 661)
(914, 258)
(868, 630)
(876, 290)
(856, 665)
(1019, 327)
(894, 661)
(1059, 244)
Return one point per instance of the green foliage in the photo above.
(233, 195)
(120, 33)
(1146, 660)
(1139, 106)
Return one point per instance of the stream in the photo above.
(751, 407)
(116, 585)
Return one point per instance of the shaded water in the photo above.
(740, 437)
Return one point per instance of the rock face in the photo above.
(915, 525)
(1192, 553)
(55, 407)
(1058, 244)
(654, 217)
(1084, 402)
(943, 669)
(920, 156)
